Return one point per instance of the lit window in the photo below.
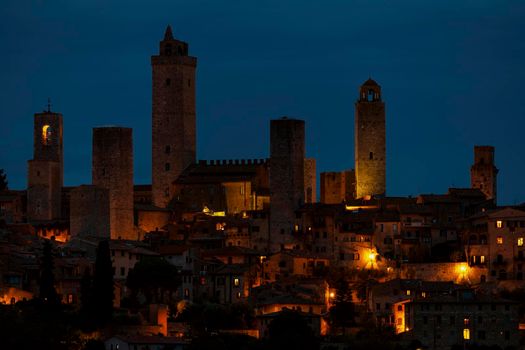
(499, 240)
(46, 134)
(236, 282)
(466, 321)
(424, 294)
(520, 242)
(466, 334)
(499, 224)
(408, 291)
(482, 259)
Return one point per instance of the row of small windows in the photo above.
(519, 242)
(510, 223)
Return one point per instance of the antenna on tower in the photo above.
(48, 104)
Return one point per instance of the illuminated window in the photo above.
(46, 134)
(499, 224)
(466, 321)
(424, 294)
(408, 291)
(466, 334)
(482, 259)
(219, 226)
(499, 240)
(236, 282)
(520, 242)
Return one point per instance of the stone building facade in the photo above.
(89, 212)
(483, 173)
(173, 115)
(46, 169)
(310, 181)
(113, 170)
(287, 154)
(463, 319)
(370, 141)
(337, 187)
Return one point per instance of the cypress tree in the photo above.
(48, 293)
(103, 284)
(3, 180)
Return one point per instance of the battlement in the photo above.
(223, 162)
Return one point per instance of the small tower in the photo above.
(173, 115)
(46, 169)
(483, 173)
(370, 141)
(287, 162)
(113, 170)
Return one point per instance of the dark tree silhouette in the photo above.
(48, 293)
(103, 284)
(155, 277)
(342, 314)
(86, 295)
(3, 180)
(290, 331)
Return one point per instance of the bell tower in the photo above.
(483, 173)
(173, 115)
(46, 169)
(370, 141)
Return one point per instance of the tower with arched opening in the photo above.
(173, 115)
(46, 169)
(370, 141)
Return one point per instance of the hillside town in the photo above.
(252, 253)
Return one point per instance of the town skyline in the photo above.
(329, 115)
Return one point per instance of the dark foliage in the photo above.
(290, 331)
(102, 304)
(4, 185)
(48, 294)
(155, 278)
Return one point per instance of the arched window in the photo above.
(47, 133)
(167, 50)
(371, 95)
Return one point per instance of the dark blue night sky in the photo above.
(451, 74)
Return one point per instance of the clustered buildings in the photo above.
(252, 230)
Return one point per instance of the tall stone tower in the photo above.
(173, 115)
(483, 173)
(370, 141)
(287, 158)
(46, 169)
(113, 170)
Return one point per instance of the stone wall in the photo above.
(89, 213)
(287, 154)
(173, 116)
(370, 141)
(113, 170)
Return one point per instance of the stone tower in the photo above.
(173, 115)
(46, 169)
(113, 170)
(370, 141)
(287, 157)
(483, 173)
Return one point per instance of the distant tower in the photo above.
(287, 158)
(310, 180)
(113, 170)
(173, 115)
(46, 169)
(370, 141)
(483, 173)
